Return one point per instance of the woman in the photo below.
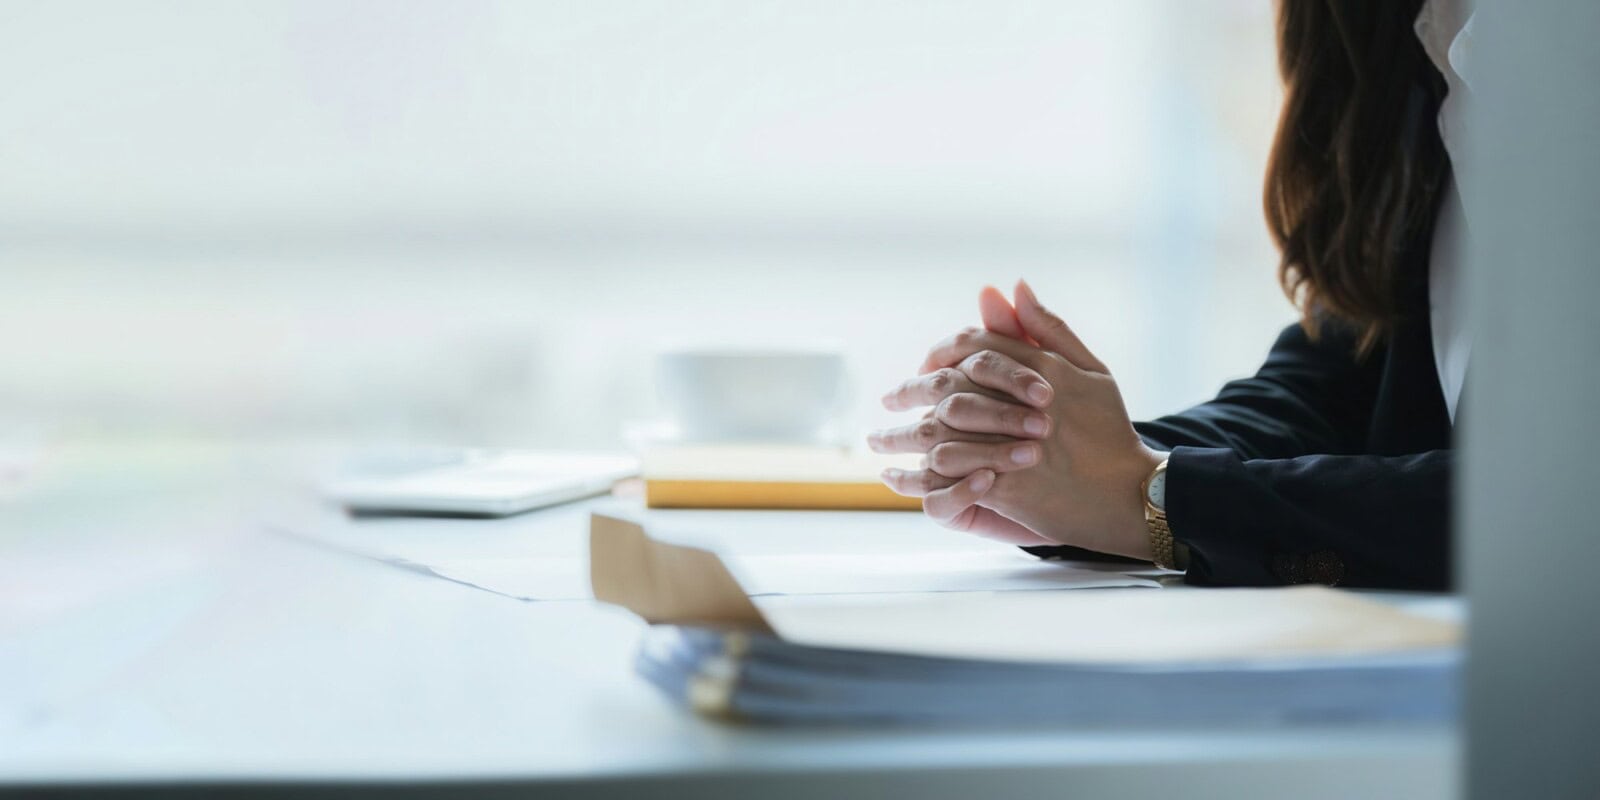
(1331, 465)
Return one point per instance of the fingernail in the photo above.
(982, 481)
(1035, 426)
(1026, 454)
(1039, 393)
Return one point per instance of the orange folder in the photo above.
(771, 477)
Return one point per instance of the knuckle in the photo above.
(1012, 417)
(940, 507)
(943, 381)
(966, 337)
(988, 361)
(940, 458)
(956, 405)
(926, 433)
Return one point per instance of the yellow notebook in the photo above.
(771, 477)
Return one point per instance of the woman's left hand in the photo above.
(1083, 487)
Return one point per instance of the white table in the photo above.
(255, 659)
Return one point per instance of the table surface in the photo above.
(154, 631)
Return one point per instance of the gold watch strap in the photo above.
(1169, 553)
(1160, 538)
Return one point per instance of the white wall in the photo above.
(474, 221)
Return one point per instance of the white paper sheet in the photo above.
(1003, 569)
(564, 575)
(551, 578)
(546, 578)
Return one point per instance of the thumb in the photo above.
(998, 315)
(1052, 332)
(957, 507)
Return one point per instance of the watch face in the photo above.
(1157, 492)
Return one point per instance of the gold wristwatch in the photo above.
(1166, 553)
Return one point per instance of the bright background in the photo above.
(474, 222)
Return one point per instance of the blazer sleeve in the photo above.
(1351, 520)
(1309, 397)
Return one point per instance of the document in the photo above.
(1120, 627)
(1004, 569)
(547, 562)
(1199, 657)
(630, 569)
(556, 578)
(760, 678)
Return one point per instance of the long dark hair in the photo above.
(1357, 164)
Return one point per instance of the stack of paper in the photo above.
(1306, 654)
(762, 678)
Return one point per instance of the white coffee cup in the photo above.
(768, 395)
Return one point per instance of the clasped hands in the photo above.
(1027, 440)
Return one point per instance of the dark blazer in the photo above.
(1323, 468)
